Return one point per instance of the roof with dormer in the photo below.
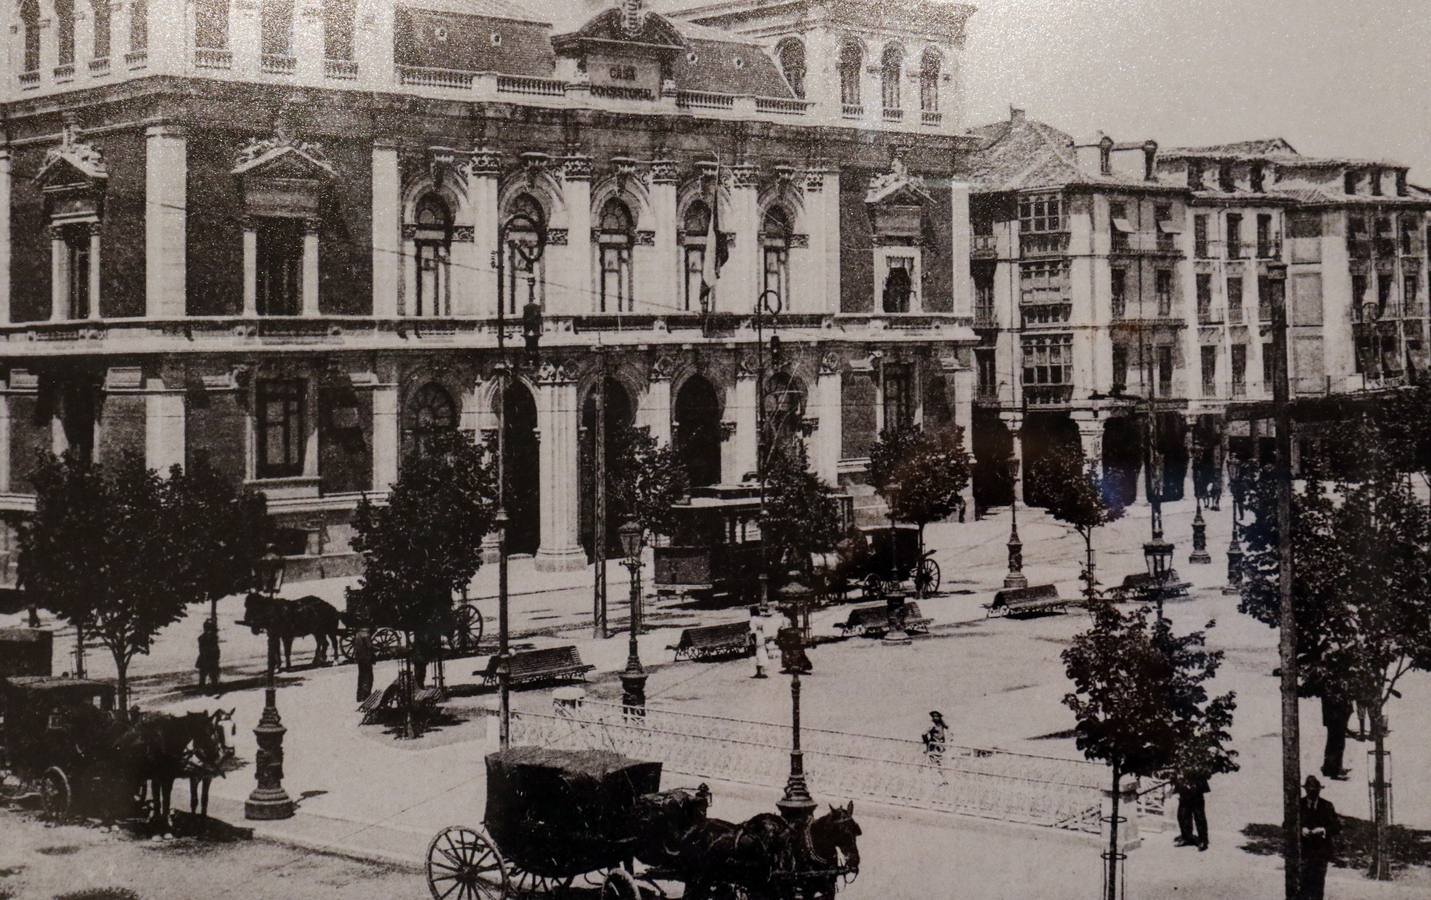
(1024, 154)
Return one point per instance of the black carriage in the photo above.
(713, 553)
(56, 735)
(461, 629)
(879, 560)
(26, 651)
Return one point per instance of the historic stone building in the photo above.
(267, 234)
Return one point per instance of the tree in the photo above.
(1073, 494)
(425, 543)
(110, 551)
(645, 479)
(228, 528)
(801, 516)
(920, 474)
(1141, 705)
(1362, 591)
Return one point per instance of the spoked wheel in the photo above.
(926, 577)
(386, 643)
(345, 644)
(620, 885)
(467, 627)
(530, 884)
(56, 796)
(463, 864)
(873, 587)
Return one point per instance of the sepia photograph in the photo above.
(715, 450)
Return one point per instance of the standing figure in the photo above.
(208, 661)
(1320, 827)
(759, 637)
(1192, 791)
(790, 640)
(935, 742)
(1336, 713)
(363, 656)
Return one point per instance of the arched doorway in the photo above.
(696, 419)
(1043, 435)
(619, 415)
(1122, 459)
(992, 446)
(1172, 446)
(521, 466)
(428, 411)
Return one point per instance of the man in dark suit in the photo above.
(1192, 810)
(1336, 712)
(1320, 827)
(363, 655)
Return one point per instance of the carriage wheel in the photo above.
(620, 885)
(926, 577)
(463, 864)
(345, 645)
(530, 884)
(467, 628)
(874, 587)
(56, 797)
(386, 643)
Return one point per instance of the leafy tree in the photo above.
(110, 551)
(228, 527)
(1141, 704)
(920, 474)
(801, 516)
(1073, 494)
(645, 479)
(425, 543)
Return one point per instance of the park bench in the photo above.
(531, 666)
(873, 620)
(389, 699)
(713, 641)
(1034, 600)
(1139, 587)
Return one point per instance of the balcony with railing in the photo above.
(984, 246)
(893, 114)
(29, 80)
(530, 86)
(99, 67)
(782, 106)
(931, 118)
(852, 110)
(1270, 248)
(279, 63)
(213, 58)
(137, 59)
(1043, 243)
(420, 76)
(340, 69)
(1143, 243)
(64, 73)
(1047, 395)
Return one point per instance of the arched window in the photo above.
(139, 26)
(65, 32)
(784, 411)
(432, 245)
(891, 68)
(101, 28)
(338, 29)
(524, 279)
(211, 24)
(851, 62)
(695, 232)
(616, 235)
(428, 412)
(791, 53)
(929, 68)
(775, 247)
(30, 20)
(276, 27)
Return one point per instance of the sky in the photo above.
(1333, 77)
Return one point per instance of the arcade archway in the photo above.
(521, 465)
(696, 420)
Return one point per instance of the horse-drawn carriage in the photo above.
(458, 628)
(879, 560)
(63, 739)
(713, 552)
(554, 816)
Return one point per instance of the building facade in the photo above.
(273, 235)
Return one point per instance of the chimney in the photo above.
(1105, 155)
(1150, 160)
(633, 16)
(1016, 116)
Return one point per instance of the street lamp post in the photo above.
(1016, 577)
(768, 303)
(269, 800)
(796, 805)
(633, 677)
(1158, 554)
(1199, 555)
(1234, 543)
(530, 253)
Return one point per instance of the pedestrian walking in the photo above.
(1192, 790)
(1320, 827)
(1361, 714)
(1336, 713)
(759, 636)
(363, 656)
(208, 661)
(935, 741)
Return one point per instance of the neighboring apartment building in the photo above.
(267, 234)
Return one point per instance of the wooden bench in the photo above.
(714, 641)
(424, 700)
(1034, 600)
(873, 620)
(531, 666)
(1139, 587)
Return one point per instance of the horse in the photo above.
(663, 820)
(203, 763)
(833, 845)
(753, 854)
(156, 748)
(289, 619)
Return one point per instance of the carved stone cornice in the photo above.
(744, 177)
(486, 162)
(663, 171)
(830, 363)
(576, 167)
(662, 369)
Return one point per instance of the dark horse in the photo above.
(289, 619)
(764, 855)
(202, 763)
(158, 748)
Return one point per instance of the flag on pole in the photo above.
(717, 250)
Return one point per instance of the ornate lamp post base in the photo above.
(633, 693)
(1234, 568)
(1016, 577)
(797, 806)
(269, 800)
(1199, 556)
(895, 634)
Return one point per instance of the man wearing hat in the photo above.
(1320, 826)
(934, 739)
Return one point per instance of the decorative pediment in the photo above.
(73, 164)
(283, 156)
(896, 202)
(649, 31)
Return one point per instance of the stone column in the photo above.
(250, 267)
(311, 228)
(163, 426)
(960, 231)
(310, 416)
(665, 284)
(557, 417)
(810, 266)
(59, 303)
(95, 231)
(655, 411)
(386, 449)
(825, 446)
(482, 193)
(1090, 435)
(740, 407)
(831, 226)
(5, 166)
(4, 441)
(165, 212)
(388, 253)
(574, 261)
(742, 271)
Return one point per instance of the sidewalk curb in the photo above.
(328, 848)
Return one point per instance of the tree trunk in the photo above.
(1380, 799)
(121, 683)
(1090, 591)
(79, 649)
(214, 610)
(918, 590)
(1112, 891)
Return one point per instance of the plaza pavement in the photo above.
(998, 682)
